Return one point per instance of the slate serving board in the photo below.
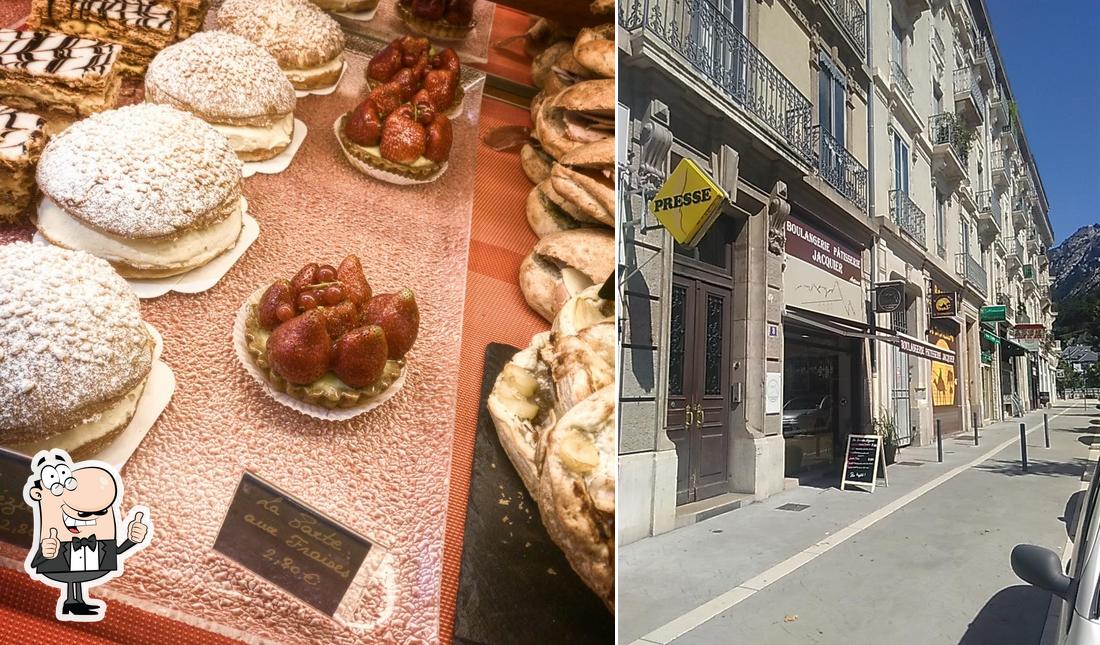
(516, 585)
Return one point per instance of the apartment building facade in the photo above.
(855, 146)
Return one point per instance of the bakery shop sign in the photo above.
(291, 545)
(688, 203)
(823, 273)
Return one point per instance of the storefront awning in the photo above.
(1012, 348)
(819, 322)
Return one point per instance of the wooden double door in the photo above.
(699, 386)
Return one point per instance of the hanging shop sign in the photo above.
(824, 274)
(944, 305)
(993, 313)
(688, 203)
(888, 297)
(944, 378)
(1029, 336)
(990, 337)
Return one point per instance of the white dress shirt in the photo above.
(84, 559)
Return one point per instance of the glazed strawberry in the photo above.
(425, 109)
(385, 63)
(421, 67)
(387, 97)
(363, 125)
(359, 357)
(403, 139)
(440, 136)
(398, 316)
(441, 86)
(276, 306)
(447, 59)
(408, 81)
(341, 318)
(299, 349)
(305, 277)
(412, 47)
(350, 273)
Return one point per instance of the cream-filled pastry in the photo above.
(232, 84)
(152, 190)
(74, 353)
(22, 136)
(305, 41)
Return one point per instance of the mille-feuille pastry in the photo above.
(152, 190)
(46, 72)
(564, 264)
(22, 136)
(232, 84)
(324, 338)
(346, 6)
(305, 41)
(580, 114)
(576, 494)
(191, 14)
(439, 19)
(141, 27)
(74, 353)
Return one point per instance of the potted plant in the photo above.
(884, 427)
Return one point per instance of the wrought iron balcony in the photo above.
(1006, 300)
(1021, 205)
(989, 213)
(948, 151)
(840, 169)
(1008, 137)
(899, 78)
(986, 65)
(908, 216)
(972, 272)
(969, 100)
(853, 18)
(707, 41)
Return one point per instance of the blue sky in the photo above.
(1052, 54)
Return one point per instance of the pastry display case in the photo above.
(388, 489)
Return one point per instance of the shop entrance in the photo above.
(817, 397)
(698, 387)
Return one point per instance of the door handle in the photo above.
(702, 415)
(689, 412)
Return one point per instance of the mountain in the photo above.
(1075, 264)
(1075, 270)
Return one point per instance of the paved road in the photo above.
(923, 561)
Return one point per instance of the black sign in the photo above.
(889, 297)
(861, 460)
(289, 544)
(16, 518)
(944, 305)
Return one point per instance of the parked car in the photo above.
(807, 415)
(1079, 585)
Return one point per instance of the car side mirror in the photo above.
(1041, 568)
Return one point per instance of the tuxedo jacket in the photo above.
(108, 552)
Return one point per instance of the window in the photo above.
(901, 165)
(831, 100)
(937, 100)
(897, 45)
(941, 224)
(964, 235)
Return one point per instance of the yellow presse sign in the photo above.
(688, 203)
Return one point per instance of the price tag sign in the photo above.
(284, 541)
(16, 518)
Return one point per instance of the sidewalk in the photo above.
(674, 583)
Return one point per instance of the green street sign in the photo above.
(993, 339)
(994, 313)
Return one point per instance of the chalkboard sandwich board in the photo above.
(861, 461)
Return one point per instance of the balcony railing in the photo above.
(840, 169)
(853, 18)
(713, 46)
(1006, 300)
(944, 129)
(897, 75)
(972, 271)
(986, 52)
(908, 216)
(966, 83)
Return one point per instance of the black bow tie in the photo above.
(80, 543)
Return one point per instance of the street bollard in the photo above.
(939, 441)
(1046, 429)
(1023, 446)
(975, 428)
